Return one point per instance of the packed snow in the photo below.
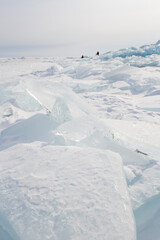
(80, 147)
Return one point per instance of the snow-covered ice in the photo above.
(80, 147)
(65, 193)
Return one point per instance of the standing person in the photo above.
(97, 53)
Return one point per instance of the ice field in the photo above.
(80, 147)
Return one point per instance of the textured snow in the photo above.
(80, 147)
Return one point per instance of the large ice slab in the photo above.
(64, 193)
(148, 218)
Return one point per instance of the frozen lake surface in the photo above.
(80, 147)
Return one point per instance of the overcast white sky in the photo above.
(75, 27)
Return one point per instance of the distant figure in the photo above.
(82, 56)
(97, 53)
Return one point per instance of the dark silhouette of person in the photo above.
(82, 56)
(97, 53)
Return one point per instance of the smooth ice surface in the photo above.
(80, 146)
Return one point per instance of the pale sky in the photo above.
(76, 27)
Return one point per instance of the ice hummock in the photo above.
(143, 51)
